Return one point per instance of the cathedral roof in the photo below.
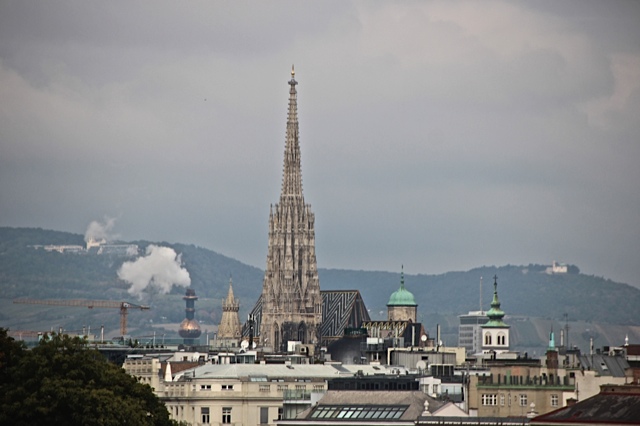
(402, 296)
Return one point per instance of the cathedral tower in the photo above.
(291, 300)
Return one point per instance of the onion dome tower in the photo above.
(229, 327)
(402, 305)
(189, 327)
(291, 300)
(495, 333)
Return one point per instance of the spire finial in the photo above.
(293, 71)
(402, 276)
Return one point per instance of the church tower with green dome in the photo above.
(495, 333)
(402, 305)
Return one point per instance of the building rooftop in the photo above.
(363, 407)
(275, 371)
(604, 365)
(613, 405)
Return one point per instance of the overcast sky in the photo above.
(439, 135)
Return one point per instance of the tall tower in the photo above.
(291, 300)
(495, 333)
(189, 327)
(229, 328)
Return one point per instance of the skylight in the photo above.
(374, 412)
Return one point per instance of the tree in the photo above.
(61, 381)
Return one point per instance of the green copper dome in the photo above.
(495, 314)
(402, 296)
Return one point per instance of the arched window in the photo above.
(302, 332)
(502, 339)
(276, 337)
(487, 338)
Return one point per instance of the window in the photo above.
(205, 387)
(502, 339)
(280, 413)
(265, 388)
(554, 400)
(226, 415)
(523, 400)
(487, 338)
(227, 387)
(502, 399)
(264, 415)
(489, 399)
(204, 413)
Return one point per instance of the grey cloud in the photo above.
(441, 135)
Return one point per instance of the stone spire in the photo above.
(292, 171)
(229, 327)
(291, 300)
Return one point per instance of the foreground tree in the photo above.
(63, 382)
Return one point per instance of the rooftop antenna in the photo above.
(481, 295)
(566, 329)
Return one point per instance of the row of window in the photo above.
(265, 388)
(492, 399)
(501, 339)
(205, 415)
(224, 387)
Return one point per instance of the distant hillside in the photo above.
(525, 291)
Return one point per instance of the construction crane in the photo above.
(123, 306)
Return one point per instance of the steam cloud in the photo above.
(100, 231)
(158, 271)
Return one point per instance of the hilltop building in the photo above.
(291, 300)
(558, 268)
(229, 330)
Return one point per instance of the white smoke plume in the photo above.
(156, 272)
(98, 231)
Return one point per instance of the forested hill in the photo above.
(523, 290)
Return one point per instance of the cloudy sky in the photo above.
(442, 135)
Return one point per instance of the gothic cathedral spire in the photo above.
(291, 300)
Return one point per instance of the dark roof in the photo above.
(605, 365)
(613, 405)
(633, 349)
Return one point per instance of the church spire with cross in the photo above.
(291, 300)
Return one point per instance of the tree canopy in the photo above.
(62, 381)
